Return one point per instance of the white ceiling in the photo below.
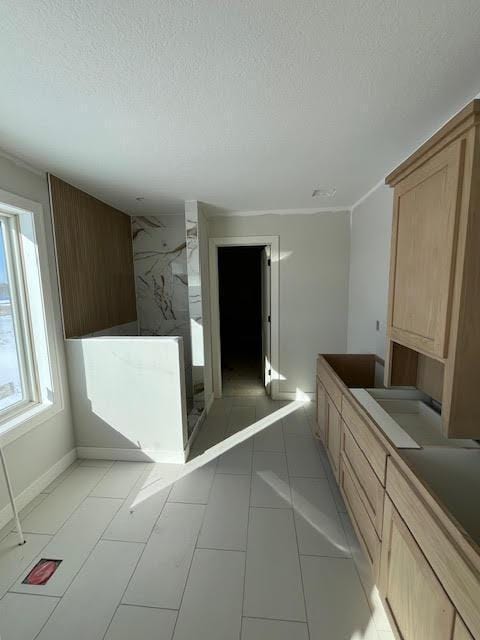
(244, 104)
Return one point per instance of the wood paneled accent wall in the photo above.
(95, 261)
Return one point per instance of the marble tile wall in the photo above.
(161, 282)
(195, 303)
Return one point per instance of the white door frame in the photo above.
(244, 241)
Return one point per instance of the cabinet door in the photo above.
(321, 428)
(334, 436)
(461, 632)
(423, 252)
(416, 601)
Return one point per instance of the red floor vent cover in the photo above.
(42, 572)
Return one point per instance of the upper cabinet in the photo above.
(433, 332)
(423, 250)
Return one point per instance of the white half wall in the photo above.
(128, 397)
(371, 227)
(313, 285)
(49, 444)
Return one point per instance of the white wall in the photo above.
(128, 397)
(37, 451)
(371, 227)
(313, 285)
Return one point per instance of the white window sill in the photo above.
(33, 415)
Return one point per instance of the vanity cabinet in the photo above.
(461, 632)
(334, 435)
(416, 602)
(321, 422)
(433, 337)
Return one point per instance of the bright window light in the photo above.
(17, 376)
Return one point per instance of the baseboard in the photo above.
(194, 434)
(37, 486)
(209, 402)
(131, 455)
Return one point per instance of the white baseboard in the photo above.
(131, 455)
(209, 402)
(195, 432)
(37, 486)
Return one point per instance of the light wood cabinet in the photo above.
(461, 632)
(370, 489)
(434, 292)
(426, 207)
(333, 435)
(321, 422)
(416, 602)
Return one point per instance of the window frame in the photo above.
(20, 316)
(42, 308)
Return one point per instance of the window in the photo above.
(17, 379)
(30, 386)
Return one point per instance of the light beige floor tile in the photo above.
(135, 523)
(23, 513)
(50, 515)
(270, 439)
(226, 515)
(240, 417)
(195, 486)
(143, 623)
(212, 604)
(61, 477)
(303, 457)
(92, 462)
(22, 616)
(119, 480)
(270, 484)
(336, 604)
(296, 423)
(238, 460)
(85, 611)
(366, 577)
(160, 576)
(14, 559)
(72, 544)
(273, 585)
(319, 528)
(257, 629)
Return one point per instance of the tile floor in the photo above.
(255, 545)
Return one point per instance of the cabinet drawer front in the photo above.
(461, 632)
(361, 522)
(321, 427)
(460, 579)
(414, 597)
(371, 491)
(334, 436)
(366, 440)
(333, 390)
(424, 234)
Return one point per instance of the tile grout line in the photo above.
(193, 554)
(91, 551)
(298, 548)
(246, 543)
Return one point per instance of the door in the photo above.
(423, 252)
(266, 319)
(413, 594)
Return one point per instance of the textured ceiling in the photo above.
(246, 105)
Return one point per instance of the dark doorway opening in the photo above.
(240, 298)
